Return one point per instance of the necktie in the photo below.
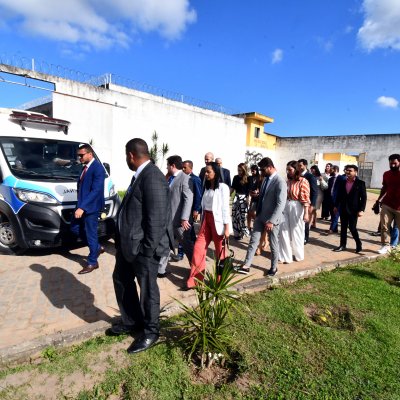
(170, 179)
(83, 173)
(261, 197)
(130, 186)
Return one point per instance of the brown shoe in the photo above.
(88, 269)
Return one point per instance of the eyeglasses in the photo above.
(80, 155)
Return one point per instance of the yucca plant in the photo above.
(205, 326)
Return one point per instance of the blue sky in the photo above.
(318, 67)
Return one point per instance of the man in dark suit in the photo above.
(333, 184)
(225, 173)
(302, 165)
(351, 200)
(208, 157)
(90, 203)
(143, 236)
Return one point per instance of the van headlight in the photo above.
(112, 191)
(29, 196)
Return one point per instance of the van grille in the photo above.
(67, 213)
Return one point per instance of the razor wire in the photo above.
(106, 79)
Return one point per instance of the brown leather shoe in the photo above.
(88, 269)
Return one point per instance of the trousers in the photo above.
(206, 234)
(273, 238)
(143, 311)
(292, 233)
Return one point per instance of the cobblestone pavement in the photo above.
(42, 294)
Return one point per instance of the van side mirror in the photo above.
(107, 167)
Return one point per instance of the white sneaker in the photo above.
(384, 249)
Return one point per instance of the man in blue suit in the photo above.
(90, 203)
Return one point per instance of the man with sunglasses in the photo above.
(90, 203)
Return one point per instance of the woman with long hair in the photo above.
(322, 185)
(216, 222)
(291, 244)
(240, 185)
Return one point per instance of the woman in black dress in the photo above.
(240, 185)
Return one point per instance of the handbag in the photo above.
(376, 207)
(227, 262)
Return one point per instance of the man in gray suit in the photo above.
(181, 190)
(143, 235)
(269, 215)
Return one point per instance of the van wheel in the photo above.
(8, 238)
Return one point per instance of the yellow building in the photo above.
(255, 136)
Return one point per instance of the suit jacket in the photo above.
(354, 201)
(313, 187)
(225, 176)
(274, 201)
(197, 192)
(333, 184)
(91, 189)
(181, 190)
(144, 217)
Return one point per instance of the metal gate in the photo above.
(365, 172)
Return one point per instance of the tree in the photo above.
(155, 152)
(252, 158)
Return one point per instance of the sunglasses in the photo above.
(81, 155)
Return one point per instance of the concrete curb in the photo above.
(31, 349)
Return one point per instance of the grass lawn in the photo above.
(335, 336)
(376, 191)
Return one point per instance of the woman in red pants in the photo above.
(216, 222)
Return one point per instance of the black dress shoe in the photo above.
(144, 343)
(121, 329)
(164, 275)
(358, 249)
(340, 248)
(272, 272)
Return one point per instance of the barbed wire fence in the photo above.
(107, 79)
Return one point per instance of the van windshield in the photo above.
(41, 159)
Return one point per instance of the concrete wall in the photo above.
(376, 147)
(111, 117)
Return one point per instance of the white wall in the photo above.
(377, 147)
(110, 118)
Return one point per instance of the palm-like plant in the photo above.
(155, 152)
(205, 326)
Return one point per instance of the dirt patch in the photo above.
(336, 317)
(46, 386)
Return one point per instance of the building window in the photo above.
(257, 133)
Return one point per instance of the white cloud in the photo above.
(348, 29)
(277, 56)
(387, 102)
(381, 27)
(101, 23)
(325, 44)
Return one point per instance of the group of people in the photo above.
(158, 212)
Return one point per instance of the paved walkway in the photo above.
(41, 293)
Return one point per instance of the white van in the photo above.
(38, 183)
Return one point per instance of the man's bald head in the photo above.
(208, 157)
